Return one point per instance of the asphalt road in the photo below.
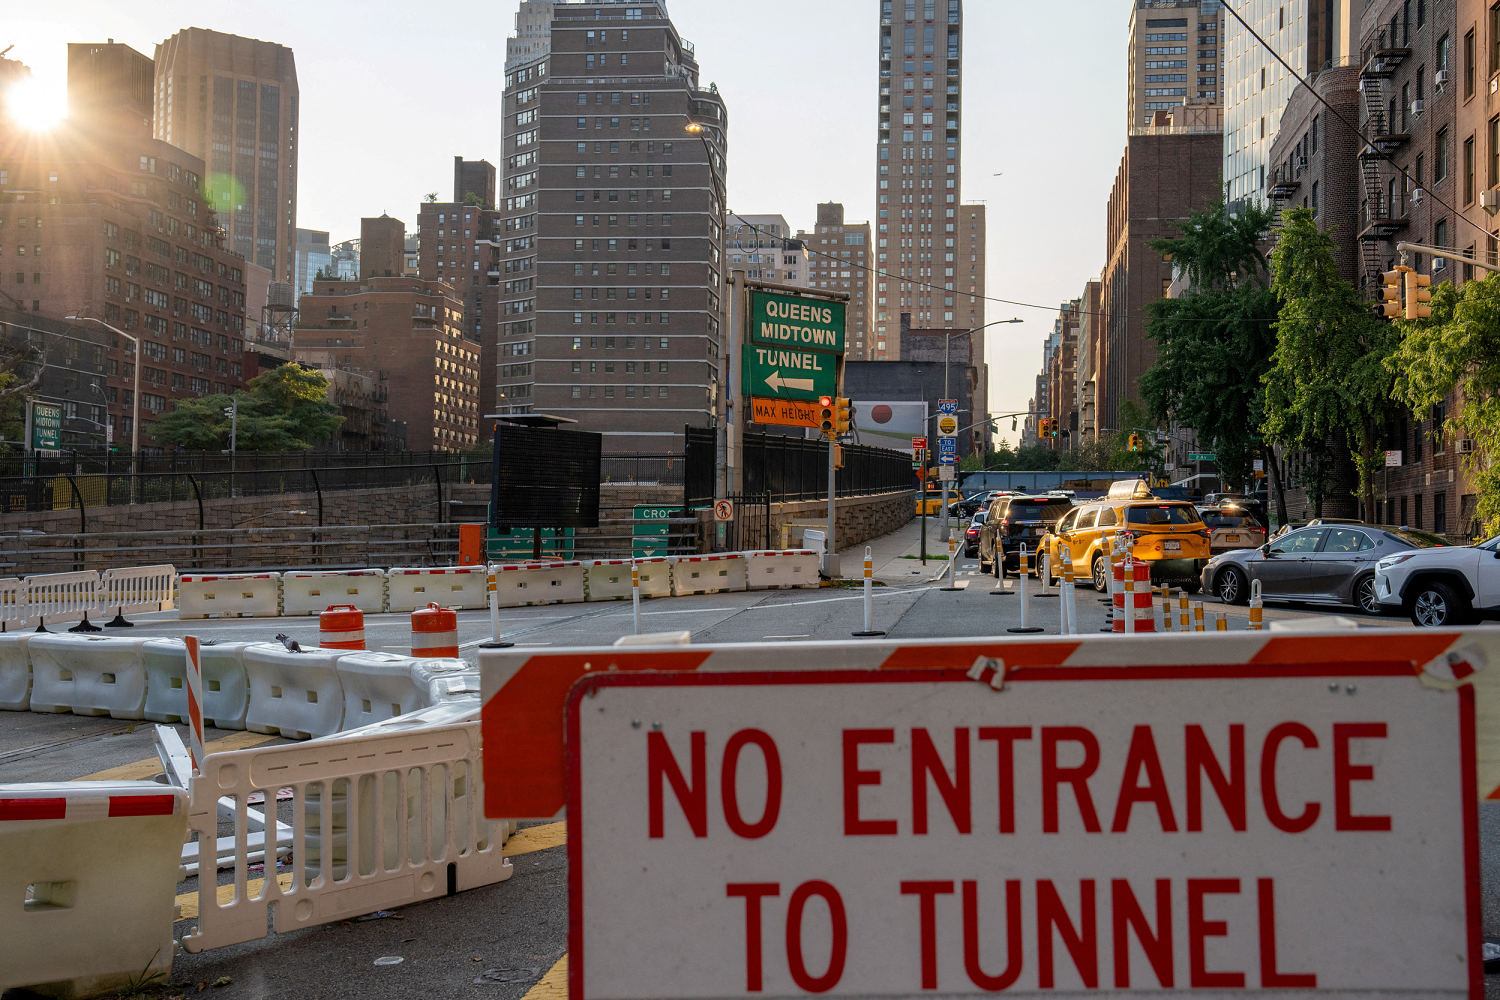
(501, 941)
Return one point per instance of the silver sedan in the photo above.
(1321, 564)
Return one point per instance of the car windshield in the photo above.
(1417, 538)
(980, 516)
(1166, 513)
(1039, 509)
(1493, 544)
(1222, 519)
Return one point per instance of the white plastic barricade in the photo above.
(655, 575)
(15, 673)
(522, 584)
(446, 713)
(229, 595)
(309, 592)
(13, 613)
(87, 675)
(90, 876)
(139, 588)
(384, 820)
(708, 574)
(226, 691)
(379, 686)
(607, 579)
(781, 569)
(297, 695)
(408, 589)
(61, 597)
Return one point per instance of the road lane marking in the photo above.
(553, 985)
(805, 635)
(537, 838)
(150, 767)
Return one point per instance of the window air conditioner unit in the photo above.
(1465, 446)
(1490, 200)
(1416, 196)
(1417, 107)
(1440, 79)
(1439, 264)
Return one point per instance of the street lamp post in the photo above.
(135, 403)
(947, 348)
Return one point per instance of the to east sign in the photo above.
(1218, 829)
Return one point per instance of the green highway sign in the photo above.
(790, 321)
(779, 373)
(1202, 456)
(46, 428)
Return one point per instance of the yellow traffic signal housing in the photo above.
(1390, 293)
(843, 415)
(1135, 442)
(1044, 428)
(826, 418)
(1418, 295)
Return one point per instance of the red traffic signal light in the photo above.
(827, 419)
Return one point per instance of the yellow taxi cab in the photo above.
(1168, 534)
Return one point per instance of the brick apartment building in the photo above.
(612, 230)
(1061, 374)
(1168, 172)
(99, 219)
(406, 332)
(839, 259)
(460, 244)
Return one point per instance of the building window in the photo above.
(1469, 170)
(1469, 63)
(1440, 155)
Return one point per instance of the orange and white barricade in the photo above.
(137, 588)
(708, 574)
(410, 588)
(1134, 611)
(434, 632)
(341, 626)
(229, 595)
(308, 592)
(90, 873)
(226, 689)
(87, 675)
(520, 585)
(296, 695)
(394, 817)
(15, 673)
(606, 579)
(781, 569)
(61, 597)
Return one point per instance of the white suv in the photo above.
(1444, 585)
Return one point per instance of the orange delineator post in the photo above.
(342, 626)
(434, 632)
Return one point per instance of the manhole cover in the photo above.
(498, 976)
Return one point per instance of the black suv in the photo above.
(1015, 521)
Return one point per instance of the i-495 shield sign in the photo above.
(1303, 829)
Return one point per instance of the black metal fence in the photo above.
(790, 468)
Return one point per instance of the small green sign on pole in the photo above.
(46, 428)
(1202, 456)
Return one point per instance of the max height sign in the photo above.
(1305, 830)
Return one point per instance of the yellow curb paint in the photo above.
(188, 902)
(552, 986)
(536, 838)
(151, 767)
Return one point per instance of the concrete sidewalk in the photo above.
(894, 555)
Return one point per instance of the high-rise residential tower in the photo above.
(612, 226)
(233, 102)
(918, 169)
(839, 259)
(1176, 55)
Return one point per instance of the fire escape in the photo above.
(1384, 203)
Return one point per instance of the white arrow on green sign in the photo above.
(785, 374)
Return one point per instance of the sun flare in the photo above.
(35, 106)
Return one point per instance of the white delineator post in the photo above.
(635, 595)
(1257, 607)
(1128, 583)
(1065, 592)
(869, 591)
(195, 701)
(494, 595)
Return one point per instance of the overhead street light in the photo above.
(135, 404)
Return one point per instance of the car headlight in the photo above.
(1395, 559)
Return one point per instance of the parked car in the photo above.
(979, 501)
(1233, 527)
(1442, 585)
(1015, 521)
(1167, 534)
(971, 533)
(1319, 564)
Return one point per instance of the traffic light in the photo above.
(1052, 429)
(843, 415)
(1390, 294)
(1135, 442)
(826, 419)
(1044, 427)
(1418, 295)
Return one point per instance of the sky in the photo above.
(391, 92)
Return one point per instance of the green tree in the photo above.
(20, 373)
(1458, 349)
(285, 409)
(1214, 343)
(1328, 385)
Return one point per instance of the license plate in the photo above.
(1231, 538)
(1172, 546)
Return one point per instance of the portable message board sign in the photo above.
(1300, 828)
